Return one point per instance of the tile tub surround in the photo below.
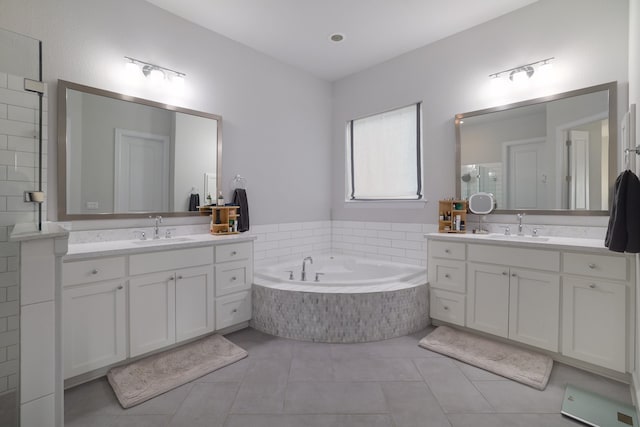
(340, 317)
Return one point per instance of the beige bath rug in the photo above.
(149, 377)
(527, 367)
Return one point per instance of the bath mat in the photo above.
(524, 366)
(149, 377)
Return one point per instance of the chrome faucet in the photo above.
(303, 275)
(520, 216)
(156, 227)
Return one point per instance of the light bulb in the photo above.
(519, 76)
(178, 80)
(132, 69)
(156, 75)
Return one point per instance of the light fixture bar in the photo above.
(523, 67)
(154, 66)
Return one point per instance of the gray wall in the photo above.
(588, 38)
(276, 119)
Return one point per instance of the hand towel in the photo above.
(240, 199)
(623, 232)
(194, 202)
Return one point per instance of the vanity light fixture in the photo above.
(154, 72)
(523, 72)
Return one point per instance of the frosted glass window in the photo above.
(384, 156)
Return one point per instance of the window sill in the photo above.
(386, 204)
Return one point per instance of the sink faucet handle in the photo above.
(318, 276)
(167, 233)
(143, 235)
(290, 274)
(507, 230)
(535, 231)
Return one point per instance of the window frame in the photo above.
(350, 187)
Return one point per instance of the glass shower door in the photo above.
(21, 128)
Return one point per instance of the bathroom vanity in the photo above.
(124, 299)
(570, 297)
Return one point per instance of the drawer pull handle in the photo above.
(235, 310)
(179, 277)
(504, 273)
(592, 265)
(234, 253)
(592, 286)
(447, 276)
(447, 251)
(95, 271)
(120, 287)
(446, 307)
(234, 278)
(514, 275)
(171, 278)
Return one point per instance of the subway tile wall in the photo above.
(18, 173)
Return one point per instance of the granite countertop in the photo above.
(543, 242)
(126, 247)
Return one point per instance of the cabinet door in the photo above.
(94, 326)
(152, 320)
(194, 302)
(534, 309)
(593, 327)
(488, 298)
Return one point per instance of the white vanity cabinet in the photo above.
(173, 305)
(505, 299)
(596, 291)
(234, 276)
(570, 300)
(93, 314)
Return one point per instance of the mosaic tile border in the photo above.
(340, 317)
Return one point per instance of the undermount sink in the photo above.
(162, 241)
(516, 238)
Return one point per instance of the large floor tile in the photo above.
(385, 369)
(477, 374)
(309, 421)
(334, 398)
(311, 350)
(563, 375)
(412, 404)
(510, 396)
(141, 421)
(206, 405)
(268, 371)
(230, 373)
(95, 398)
(452, 389)
(259, 398)
(260, 345)
(311, 370)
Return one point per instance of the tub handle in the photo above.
(318, 276)
(290, 274)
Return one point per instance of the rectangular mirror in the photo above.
(552, 155)
(123, 157)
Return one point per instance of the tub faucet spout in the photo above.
(303, 275)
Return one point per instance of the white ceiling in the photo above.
(297, 31)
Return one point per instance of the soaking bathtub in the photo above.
(354, 300)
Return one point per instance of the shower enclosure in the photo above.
(22, 127)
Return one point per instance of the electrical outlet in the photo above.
(92, 205)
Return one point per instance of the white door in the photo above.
(578, 176)
(194, 302)
(525, 175)
(488, 298)
(593, 326)
(534, 309)
(93, 325)
(152, 316)
(141, 172)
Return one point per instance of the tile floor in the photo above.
(392, 383)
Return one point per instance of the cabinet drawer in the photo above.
(233, 309)
(609, 267)
(233, 277)
(450, 250)
(93, 270)
(448, 275)
(447, 306)
(233, 252)
(538, 259)
(169, 260)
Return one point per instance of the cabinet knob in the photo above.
(592, 265)
(234, 278)
(120, 287)
(504, 273)
(94, 271)
(447, 276)
(592, 286)
(446, 307)
(171, 278)
(514, 275)
(447, 251)
(234, 253)
(235, 310)
(179, 277)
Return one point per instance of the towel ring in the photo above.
(239, 182)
